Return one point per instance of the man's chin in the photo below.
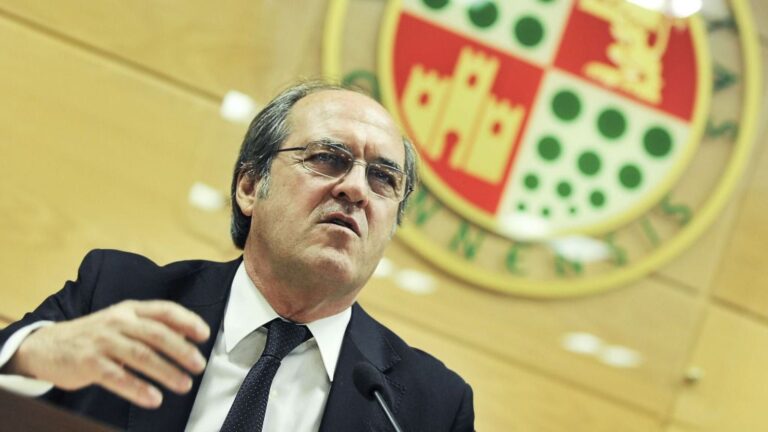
(335, 263)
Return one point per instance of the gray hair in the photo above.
(267, 132)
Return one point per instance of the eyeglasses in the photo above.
(334, 161)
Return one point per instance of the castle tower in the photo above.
(423, 98)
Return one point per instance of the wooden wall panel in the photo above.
(509, 398)
(696, 268)
(760, 13)
(251, 46)
(677, 428)
(110, 113)
(650, 318)
(94, 155)
(731, 396)
(741, 277)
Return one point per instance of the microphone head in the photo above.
(367, 379)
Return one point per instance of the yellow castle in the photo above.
(457, 117)
(636, 63)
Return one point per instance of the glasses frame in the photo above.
(406, 190)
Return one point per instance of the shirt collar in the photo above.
(247, 310)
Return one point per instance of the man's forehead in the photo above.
(346, 101)
(343, 112)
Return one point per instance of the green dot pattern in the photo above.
(529, 31)
(597, 198)
(531, 181)
(611, 124)
(483, 14)
(521, 206)
(630, 176)
(566, 105)
(549, 148)
(657, 142)
(435, 4)
(589, 163)
(588, 157)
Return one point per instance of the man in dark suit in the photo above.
(321, 182)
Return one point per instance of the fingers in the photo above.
(155, 339)
(164, 340)
(143, 359)
(126, 385)
(174, 316)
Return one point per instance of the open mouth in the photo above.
(343, 221)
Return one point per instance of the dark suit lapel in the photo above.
(347, 409)
(204, 292)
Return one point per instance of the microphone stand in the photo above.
(387, 412)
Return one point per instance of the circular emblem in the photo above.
(566, 145)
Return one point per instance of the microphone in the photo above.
(370, 383)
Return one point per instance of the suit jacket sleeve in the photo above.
(465, 416)
(73, 301)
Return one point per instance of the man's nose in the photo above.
(354, 186)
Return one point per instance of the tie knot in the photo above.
(283, 337)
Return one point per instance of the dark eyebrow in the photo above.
(388, 162)
(332, 143)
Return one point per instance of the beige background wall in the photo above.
(110, 113)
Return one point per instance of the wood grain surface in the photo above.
(110, 114)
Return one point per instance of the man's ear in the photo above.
(245, 194)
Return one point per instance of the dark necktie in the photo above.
(247, 412)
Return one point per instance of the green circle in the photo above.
(589, 163)
(529, 31)
(657, 142)
(597, 198)
(531, 181)
(483, 13)
(545, 212)
(435, 4)
(611, 123)
(564, 189)
(630, 176)
(549, 148)
(572, 210)
(566, 105)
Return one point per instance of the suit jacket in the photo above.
(423, 394)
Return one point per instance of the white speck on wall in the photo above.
(580, 248)
(206, 197)
(582, 343)
(238, 107)
(384, 269)
(524, 227)
(415, 282)
(620, 357)
(673, 8)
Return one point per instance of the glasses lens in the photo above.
(333, 161)
(327, 160)
(385, 181)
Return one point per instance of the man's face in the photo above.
(295, 231)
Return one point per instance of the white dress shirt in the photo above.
(301, 385)
(16, 383)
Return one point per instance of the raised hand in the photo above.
(108, 347)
